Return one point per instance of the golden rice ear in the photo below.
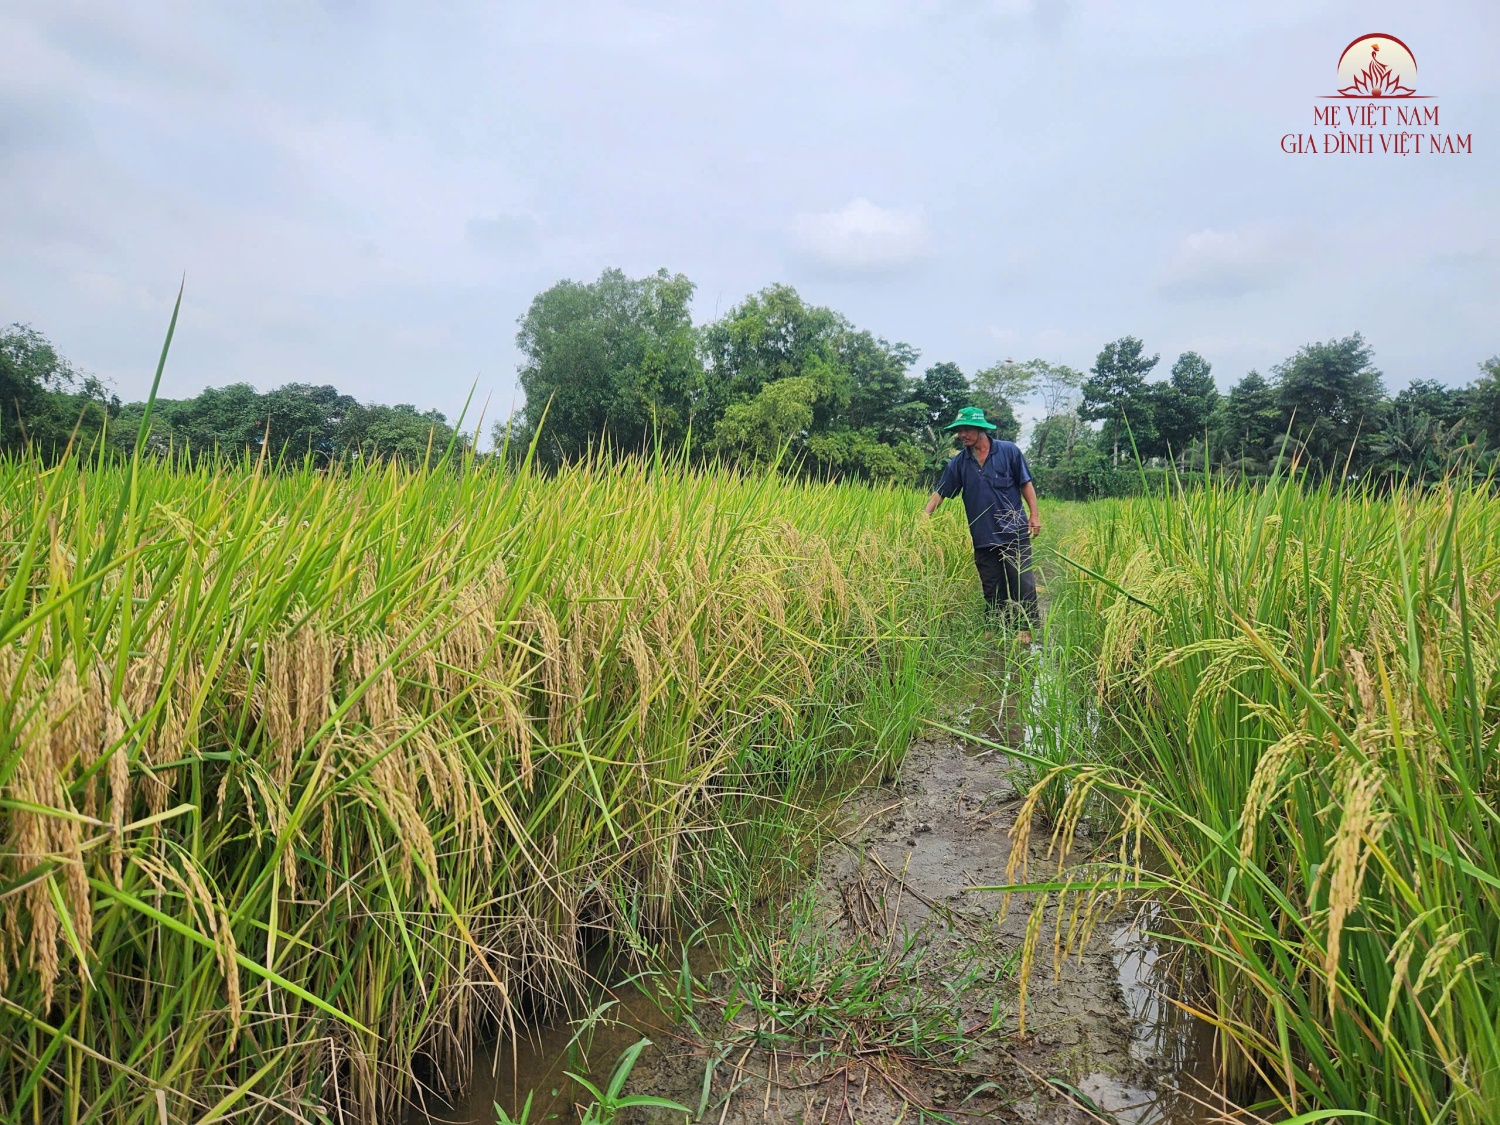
(66, 715)
(1266, 784)
(465, 642)
(1018, 862)
(1034, 925)
(278, 702)
(1075, 804)
(582, 638)
(34, 782)
(119, 789)
(369, 575)
(731, 595)
(314, 691)
(639, 655)
(1357, 835)
(1364, 684)
(547, 640)
(325, 851)
(380, 702)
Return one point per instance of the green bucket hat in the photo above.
(971, 416)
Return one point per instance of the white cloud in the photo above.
(862, 238)
(1227, 263)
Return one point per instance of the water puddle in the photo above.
(507, 1071)
(1166, 1042)
(943, 830)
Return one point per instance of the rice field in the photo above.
(307, 777)
(1285, 703)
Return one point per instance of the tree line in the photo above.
(618, 364)
(48, 405)
(1323, 409)
(619, 361)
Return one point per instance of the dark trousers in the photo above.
(1007, 578)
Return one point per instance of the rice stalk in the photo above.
(1304, 685)
(308, 778)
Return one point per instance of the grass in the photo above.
(815, 1005)
(306, 777)
(1286, 704)
(827, 1003)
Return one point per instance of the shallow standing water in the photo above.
(1103, 1028)
(507, 1071)
(1166, 1042)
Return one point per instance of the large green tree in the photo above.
(1482, 403)
(614, 360)
(1055, 437)
(303, 419)
(1427, 434)
(775, 420)
(293, 421)
(46, 402)
(1247, 425)
(230, 420)
(377, 432)
(1061, 428)
(1427, 396)
(774, 335)
(943, 390)
(1330, 395)
(782, 372)
(883, 398)
(1414, 447)
(1116, 394)
(1182, 406)
(858, 453)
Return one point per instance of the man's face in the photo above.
(967, 436)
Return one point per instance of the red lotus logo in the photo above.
(1377, 66)
(1377, 109)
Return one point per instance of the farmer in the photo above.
(994, 479)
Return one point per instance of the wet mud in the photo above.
(1101, 1041)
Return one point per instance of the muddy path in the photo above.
(1099, 1044)
(891, 995)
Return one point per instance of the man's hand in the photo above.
(1034, 515)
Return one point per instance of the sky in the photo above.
(370, 194)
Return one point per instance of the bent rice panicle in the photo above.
(1301, 687)
(307, 775)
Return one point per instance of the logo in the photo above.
(1377, 66)
(1377, 110)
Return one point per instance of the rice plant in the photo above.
(1298, 696)
(307, 776)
